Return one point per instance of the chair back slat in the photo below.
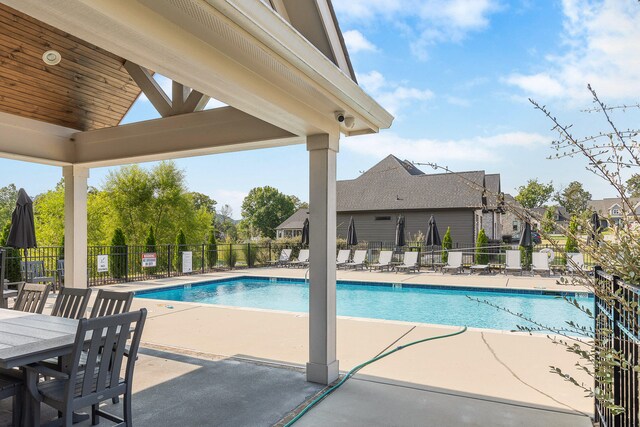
(108, 303)
(32, 297)
(71, 303)
(103, 340)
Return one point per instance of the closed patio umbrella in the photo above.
(22, 234)
(305, 232)
(526, 240)
(352, 239)
(400, 231)
(433, 237)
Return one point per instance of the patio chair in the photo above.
(513, 262)
(60, 273)
(98, 380)
(34, 272)
(32, 297)
(343, 257)
(575, 263)
(454, 262)
(409, 262)
(384, 261)
(11, 387)
(285, 256)
(303, 259)
(359, 259)
(540, 263)
(71, 303)
(108, 303)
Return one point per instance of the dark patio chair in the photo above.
(12, 387)
(32, 297)
(34, 272)
(71, 303)
(99, 379)
(111, 302)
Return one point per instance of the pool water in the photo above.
(412, 303)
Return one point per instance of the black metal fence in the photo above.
(617, 333)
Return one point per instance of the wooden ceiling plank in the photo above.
(150, 87)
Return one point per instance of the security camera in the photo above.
(340, 116)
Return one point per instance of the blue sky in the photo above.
(456, 74)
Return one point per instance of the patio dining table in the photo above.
(29, 338)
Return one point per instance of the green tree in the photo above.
(633, 185)
(118, 256)
(212, 249)
(482, 257)
(571, 245)
(8, 197)
(181, 243)
(48, 212)
(13, 257)
(264, 209)
(201, 200)
(573, 198)
(534, 194)
(447, 244)
(150, 243)
(548, 223)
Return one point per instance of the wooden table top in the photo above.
(28, 338)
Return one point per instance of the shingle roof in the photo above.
(393, 184)
(604, 205)
(295, 221)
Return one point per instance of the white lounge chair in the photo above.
(513, 262)
(454, 262)
(384, 261)
(343, 257)
(285, 256)
(540, 263)
(410, 262)
(575, 263)
(359, 258)
(303, 259)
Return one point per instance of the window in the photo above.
(383, 218)
(516, 225)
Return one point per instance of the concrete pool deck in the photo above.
(482, 377)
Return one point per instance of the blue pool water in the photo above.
(412, 303)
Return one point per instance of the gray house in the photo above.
(394, 187)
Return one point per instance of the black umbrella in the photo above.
(596, 227)
(526, 240)
(352, 239)
(433, 237)
(400, 231)
(305, 232)
(22, 234)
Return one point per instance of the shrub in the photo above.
(13, 258)
(447, 244)
(250, 254)
(181, 244)
(230, 256)
(571, 245)
(150, 247)
(118, 256)
(212, 249)
(481, 243)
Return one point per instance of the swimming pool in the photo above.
(442, 305)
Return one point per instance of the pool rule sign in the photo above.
(149, 259)
(187, 261)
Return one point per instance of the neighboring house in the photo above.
(292, 226)
(610, 209)
(512, 223)
(394, 187)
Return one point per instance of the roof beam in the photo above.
(145, 81)
(206, 132)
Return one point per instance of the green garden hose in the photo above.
(353, 371)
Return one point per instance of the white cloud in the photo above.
(601, 46)
(477, 149)
(426, 22)
(457, 101)
(356, 42)
(392, 96)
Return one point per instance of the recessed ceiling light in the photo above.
(51, 57)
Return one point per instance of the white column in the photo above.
(322, 366)
(75, 226)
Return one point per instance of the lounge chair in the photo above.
(384, 261)
(540, 263)
(359, 258)
(343, 257)
(285, 256)
(454, 262)
(513, 262)
(410, 262)
(303, 259)
(575, 263)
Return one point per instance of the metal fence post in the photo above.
(202, 259)
(168, 260)
(617, 337)
(249, 263)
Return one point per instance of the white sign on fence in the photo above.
(187, 262)
(149, 259)
(103, 263)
